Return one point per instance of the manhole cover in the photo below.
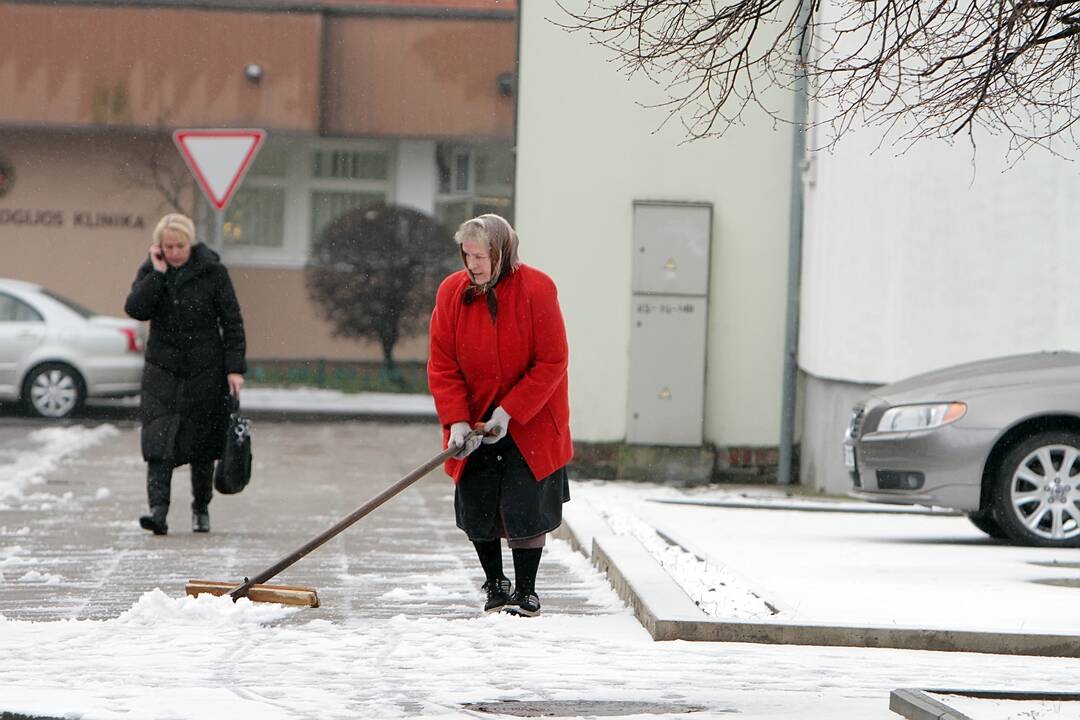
(578, 708)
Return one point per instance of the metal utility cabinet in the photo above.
(669, 314)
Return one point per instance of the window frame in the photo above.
(299, 183)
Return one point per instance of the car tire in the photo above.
(53, 390)
(985, 522)
(1036, 497)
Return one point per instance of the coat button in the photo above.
(498, 457)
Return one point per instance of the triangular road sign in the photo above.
(218, 159)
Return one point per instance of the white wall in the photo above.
(416, 178)
(586, 151)
(935, 257)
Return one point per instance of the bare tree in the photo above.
(373, 273)
(157, 165)
(919, 68)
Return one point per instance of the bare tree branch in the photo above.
(916, 68)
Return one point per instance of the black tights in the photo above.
(159, 484)
(526, 562)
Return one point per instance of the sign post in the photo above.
(218, 159)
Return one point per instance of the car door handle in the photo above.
(28, 334)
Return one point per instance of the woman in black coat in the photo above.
(194, 362)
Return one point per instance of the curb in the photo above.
(916, 703)
(665, 610)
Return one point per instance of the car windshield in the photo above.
(70, 304)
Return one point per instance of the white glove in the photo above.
(459, 438)
(496, 426)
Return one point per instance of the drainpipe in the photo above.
(785, 470)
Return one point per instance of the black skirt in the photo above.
(497, 483)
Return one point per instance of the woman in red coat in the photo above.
(499, 356)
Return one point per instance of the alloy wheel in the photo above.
(1044, 493)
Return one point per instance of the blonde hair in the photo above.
(498, 238)
(178, 223)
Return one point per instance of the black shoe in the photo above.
(200, 521)
(527, 604)
(155, 521)
(498, 595)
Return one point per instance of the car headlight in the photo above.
(906, 418)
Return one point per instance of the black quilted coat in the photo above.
(196, 337)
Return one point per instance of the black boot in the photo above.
(202, 490)
(155, 521)
(200, 521)
(497, 584)
(158, 482)
(524, 600)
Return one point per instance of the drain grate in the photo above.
(579, 708)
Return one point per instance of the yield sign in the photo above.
(218, 159)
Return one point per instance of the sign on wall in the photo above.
(7, 176)
(218, 159)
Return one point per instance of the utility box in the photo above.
(671, 249)
(669, 316)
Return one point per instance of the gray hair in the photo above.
(498, 237)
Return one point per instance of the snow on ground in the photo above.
(995, 709)
(876, 569)
(208, 658)
(316, 401)
(181, 658)
(28, 469)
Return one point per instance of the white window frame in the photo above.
(299, 183)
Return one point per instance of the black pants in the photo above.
(159, 483)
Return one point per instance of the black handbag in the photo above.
(233, 470)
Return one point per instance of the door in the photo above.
(22, 329)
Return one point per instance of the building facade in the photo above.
(404, 102)
(670, 258)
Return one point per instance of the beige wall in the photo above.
(62, 175)
(437, 65)
(65, 65)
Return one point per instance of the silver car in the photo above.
(997, 439)
(55, 353)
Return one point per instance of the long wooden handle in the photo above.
(242, 590)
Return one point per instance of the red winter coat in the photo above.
(518, 362)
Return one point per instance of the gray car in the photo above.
(997, 439)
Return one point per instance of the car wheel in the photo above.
(53, 390)
(985, 521)
(1037, 490)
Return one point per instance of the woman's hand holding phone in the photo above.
(157, 258)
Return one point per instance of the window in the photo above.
(328, 205)
(15, 310)
(350, 165)
(344, 179)
(70, 304)
(295, 188)
(473, 180)
(256, 215)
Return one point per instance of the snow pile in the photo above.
(717, 590)
(204, 611)
(28, 470)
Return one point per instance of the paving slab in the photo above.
(82, 537)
